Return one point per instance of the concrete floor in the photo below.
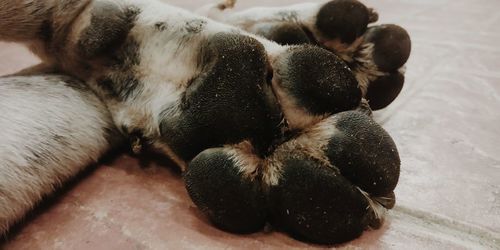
(446, 124)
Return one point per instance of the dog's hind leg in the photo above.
(51, 128)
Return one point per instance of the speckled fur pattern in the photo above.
(51, 128)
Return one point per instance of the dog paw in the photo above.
(376, 54)
(333, 181)
(221, 182)
(325, 185)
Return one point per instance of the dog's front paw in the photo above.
(221, 182)
(334, 180)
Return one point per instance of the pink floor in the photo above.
(446, 124)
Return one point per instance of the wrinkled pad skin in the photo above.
(392, 46)
(318, 80)
(317, 204)
(232, 202)
(364, 153)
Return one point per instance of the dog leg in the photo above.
(51, 128)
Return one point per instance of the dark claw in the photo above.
(388, 201)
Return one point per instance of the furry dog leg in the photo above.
(51, 128)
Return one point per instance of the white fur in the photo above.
(48, 133)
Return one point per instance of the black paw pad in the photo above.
(392, 46)
(343, 19)
(283, 33)
(384, 90)
(228, 102)
(316, 80)
(315, 203)
(364, 153)
(218, 186)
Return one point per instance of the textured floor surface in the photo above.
(446, 124)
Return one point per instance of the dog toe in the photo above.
(314, 81)
(316, 203)
(391, 46)
(220, 184)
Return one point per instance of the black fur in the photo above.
(232, 202)
(318, 80)
(120, 82)
(161, 26)
(45, 32)
(108, 29)
(228, 102)
(343, 19)
(364, 153)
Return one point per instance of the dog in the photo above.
(266, 122)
